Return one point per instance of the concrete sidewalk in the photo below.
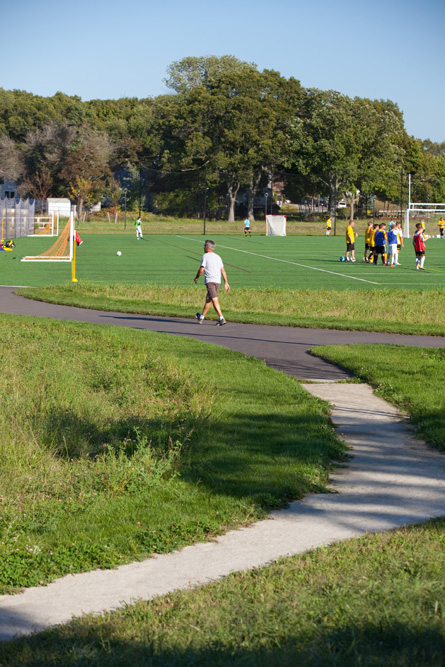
(392, 480)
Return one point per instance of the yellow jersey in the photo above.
(350, 235)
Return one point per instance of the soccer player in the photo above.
(380, 243)
(399, 240)
(441, 224)
(138, 225)
(350, 242)
(247, 227)
(392, 244)
(213, 268)
(328, 226)
(419, 239)
(369, 235)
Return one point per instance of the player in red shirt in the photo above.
(419, 239)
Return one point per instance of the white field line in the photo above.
(285, 261)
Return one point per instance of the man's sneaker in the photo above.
(353, 260)
(422, 268)
(221, 322)
(200, 318)
(392, 264)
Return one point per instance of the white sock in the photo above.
(422, 261)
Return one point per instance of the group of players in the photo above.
(386, 244)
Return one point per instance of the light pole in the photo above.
(140, 190)
(205, 199)
(125, 207)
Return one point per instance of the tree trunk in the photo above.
(253, 185)
(232, 192)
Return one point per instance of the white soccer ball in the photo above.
(118, 253)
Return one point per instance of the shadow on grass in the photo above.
(365, 644)
(270, 457)
(71, 437)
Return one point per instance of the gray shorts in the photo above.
(212, 290)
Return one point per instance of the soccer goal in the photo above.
(61, 251)
(425, 212)
(46, 225)
(276, 225)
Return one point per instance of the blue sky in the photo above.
(108, 49)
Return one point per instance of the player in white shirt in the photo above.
(213, 268)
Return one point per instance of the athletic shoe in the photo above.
(417, 268)
(200, 318)
(422, 268)
(392, 264)
(221, 322)
(353, 260)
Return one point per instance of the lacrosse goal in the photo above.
(276, 225)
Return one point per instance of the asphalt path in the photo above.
(283, 348)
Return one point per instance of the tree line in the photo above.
(225, 128)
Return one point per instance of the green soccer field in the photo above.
(295, 262)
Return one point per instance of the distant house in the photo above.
(8, 189)
(60, 206)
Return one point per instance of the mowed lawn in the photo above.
(293, 262)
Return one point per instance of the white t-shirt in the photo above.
(212, 264)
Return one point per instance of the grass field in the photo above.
(368, 602)
(117, 444)
(258, 262)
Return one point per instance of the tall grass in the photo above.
(396, 310)
(118, 443)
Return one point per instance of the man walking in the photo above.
(213, 268)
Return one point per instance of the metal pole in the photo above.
(125, 208)
(335, 203)
(265, 205)
(205, 199)
(401, 195)
(140, 190)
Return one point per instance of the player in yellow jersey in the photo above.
(328, 226)
(368, 242)
(350, 242)
(441, 224)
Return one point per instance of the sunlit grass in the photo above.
(378, 600)
(119, 443)
(398, 311)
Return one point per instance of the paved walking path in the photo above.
(392, 480)
(283, 348)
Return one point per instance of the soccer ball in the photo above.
(118, 253)
(342, 259)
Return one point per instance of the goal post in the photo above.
(46, 225)
(276, 225)
(428, 212)
(62, 250)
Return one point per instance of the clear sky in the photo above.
(106, 49)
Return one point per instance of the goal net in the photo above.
(46, 225)
(276, 225)
(61, 250)
(425, 212)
